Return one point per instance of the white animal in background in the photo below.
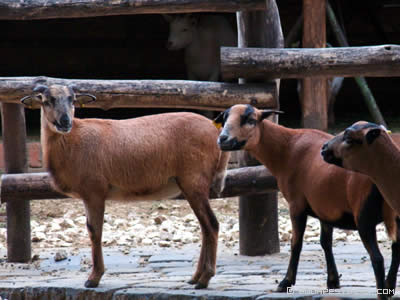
(201, 36)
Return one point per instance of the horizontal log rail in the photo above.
(372, 61)
(50, 9)
(36, 186)
(150, 93)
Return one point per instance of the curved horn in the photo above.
(86, 95)
(25, 98)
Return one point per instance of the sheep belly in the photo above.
(168, 191)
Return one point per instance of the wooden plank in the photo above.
(50, 9)
(37, 186)
(15, 159)
(373, 61)
(314, 92)
(150, 93)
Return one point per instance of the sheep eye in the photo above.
(251, 121)
(351, 141)
(46, 103)
(52, 100)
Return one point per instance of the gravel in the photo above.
(164, 224)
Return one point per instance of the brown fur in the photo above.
(147, 158)
(306, 181)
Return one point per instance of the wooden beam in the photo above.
(373, 61)
(150, 93)
(51, 9)
(314, 91)
(37, 186)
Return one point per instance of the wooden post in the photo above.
(15, 158)
(314, 98)
(258, 215)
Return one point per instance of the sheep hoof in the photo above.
(333, 284)
(91, 284)
(283, 286)
(200, 286)
(192, 281)
(390, 285)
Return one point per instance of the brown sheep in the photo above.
(368, 148)
(148, 158)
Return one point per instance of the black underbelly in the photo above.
(346, 221)
(371, 212)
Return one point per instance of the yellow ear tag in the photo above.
(82, 105)
(217, 125)
(389, 131)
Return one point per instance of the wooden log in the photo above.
(27, 186)
(15, 159)
(254, 63)
(150, 93)
(50, 9)
(258, 215)
(37, 186)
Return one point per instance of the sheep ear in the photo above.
(219, 121)
(83, 99)
(268, 112)
(372, 135)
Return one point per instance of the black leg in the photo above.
(367, 232)
(326, 243)
(390, 282)
(298, 226)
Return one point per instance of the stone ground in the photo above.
(151, 249)
(155, 273)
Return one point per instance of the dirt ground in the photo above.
(168, 223)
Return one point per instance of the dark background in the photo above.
(133, 47)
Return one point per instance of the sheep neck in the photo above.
(386, 173)
(272, 148)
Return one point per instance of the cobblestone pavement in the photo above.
(160, 274)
